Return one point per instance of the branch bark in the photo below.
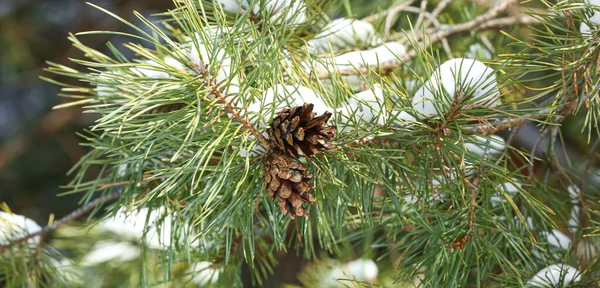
(481, 22)
(236, 115)
(72, 216)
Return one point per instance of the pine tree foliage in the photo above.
(421, 187)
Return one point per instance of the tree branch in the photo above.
(482, 22)
(72, 216)
(389, 11)
(243, 120)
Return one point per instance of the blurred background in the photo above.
(38, 145)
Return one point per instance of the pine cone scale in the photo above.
(285, 190)
(297, 131)
(299, 134)
(289, 181)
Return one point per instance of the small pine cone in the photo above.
(298, 132)
(288, 179)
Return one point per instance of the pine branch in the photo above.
(67, 219)
(243, 120)
(390, 16)
(510, 122)
(436, 12)
(388, 13)
(422, 11)
(481, 22)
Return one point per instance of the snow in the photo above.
(131, 225)
(350, 61)
(105, 251)
(478, 52)
(555, 275)
(556, 239)
(343, 34)
(585, 29)
(359, 270)
(480, 146)
(14, 226)
(202, 273)
(281, 96)
(234, 6)
(149, 69)
(364, 107)
(510, 188)
(471, 78)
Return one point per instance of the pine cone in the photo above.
(288, 179)
(298, 132)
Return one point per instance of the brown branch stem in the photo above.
(243, 120)
(72, 216)
(482, 22)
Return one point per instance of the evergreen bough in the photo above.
(416, 179)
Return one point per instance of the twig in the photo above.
(244, 121)
(422, 12)
(511, 20)
(436, 24)
(436, 11)
(533, 152)
(484, 21)
(390, 16)
(480, 22)
(491, 129)
(588, 162)
(72, 216)
(388, 11)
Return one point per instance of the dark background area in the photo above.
(38, 145)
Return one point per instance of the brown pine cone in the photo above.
(287, 179)
(298, 132)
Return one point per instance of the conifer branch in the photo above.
(67, 219)
(422, 11)
(436, 11)
(243, 120)
(481, 22)
(388, 13)
(510, 123)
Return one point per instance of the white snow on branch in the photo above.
(506, 189)
(234, 6)
(140, 225)
(555, 275)
(478, 52)
(360, 270)
(14, 226)
(281, 96)
(105, 251)
(292, 12)
(460, 80)
(585, 29)
(573, 221)
(327, 64)
(341, 34)
(491, 148)
(203, 273)
(365, 107)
